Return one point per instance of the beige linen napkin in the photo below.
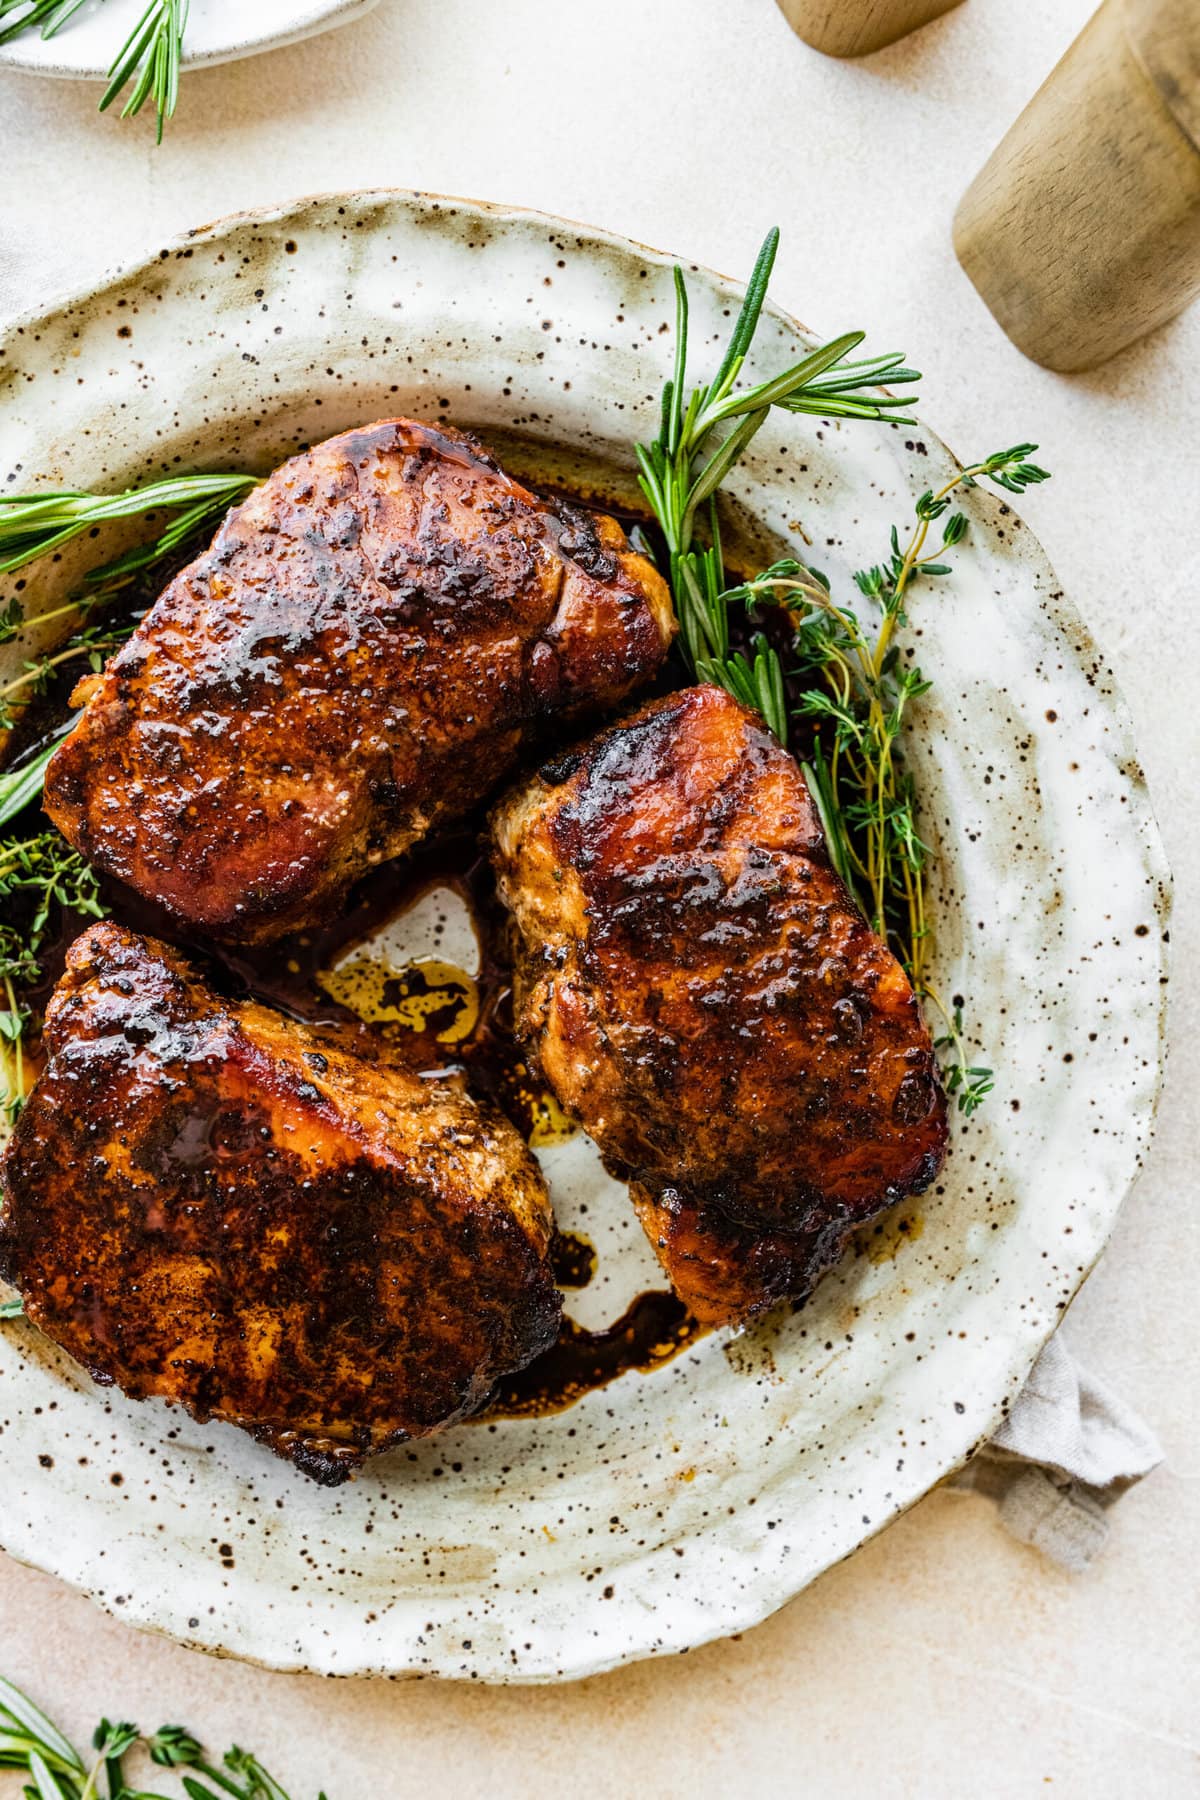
(1068, 1449)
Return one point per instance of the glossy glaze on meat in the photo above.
(704, 997)
(358, 658)
(206, 1202)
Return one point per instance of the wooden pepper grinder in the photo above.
(856, 27)
(1082, 231)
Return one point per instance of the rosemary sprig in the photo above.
(148, 61)
(702, 436)
(36, 525)
(855, 691)
(31, 1742)
(21, 785)
(48, 16)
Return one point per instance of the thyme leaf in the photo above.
(39, 876)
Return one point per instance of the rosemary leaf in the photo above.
(21, 786)
(36, 525)
(30, 1742)
(35, 1725)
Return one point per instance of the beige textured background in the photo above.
(944, 1660)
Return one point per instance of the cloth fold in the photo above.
(1068, 1449)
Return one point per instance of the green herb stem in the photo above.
(681, 470)
(855, 693)
(39, 876)
(47, 16)
(31, 1742)
(20, 787)
(37, 525)
(36, 676)
(147, 63)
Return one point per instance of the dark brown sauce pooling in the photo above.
(650, 1332)
(572, 1258)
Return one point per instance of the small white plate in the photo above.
(217, 31)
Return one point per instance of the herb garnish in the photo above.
(680, 472)
(34, 525)
(21, 785)
(31, 1742)
(37, 525)
(854, 689)
(147, 63)
(37, 875)
(40, 873)
(93, 641)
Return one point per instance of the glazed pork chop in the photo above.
(359, 657)
(705, 998)
(206, 1202)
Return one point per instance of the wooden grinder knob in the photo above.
(1082, 231)
(856, 27)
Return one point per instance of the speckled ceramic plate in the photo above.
(217, 31)
(672, 1507)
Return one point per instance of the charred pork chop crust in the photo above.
(207, 1202)
(703, 995)
(359, 657)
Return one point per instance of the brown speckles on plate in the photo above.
(487, 1553)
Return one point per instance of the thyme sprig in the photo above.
(855, 694)
(94, 642)
(147, 62)
(39, 876)
(32, 1743)
(47, 873)
(969, 1083)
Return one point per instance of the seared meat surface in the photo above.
(358, 657)
(704, 997)
(206, 1202)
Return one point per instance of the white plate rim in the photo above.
(1061, 611)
